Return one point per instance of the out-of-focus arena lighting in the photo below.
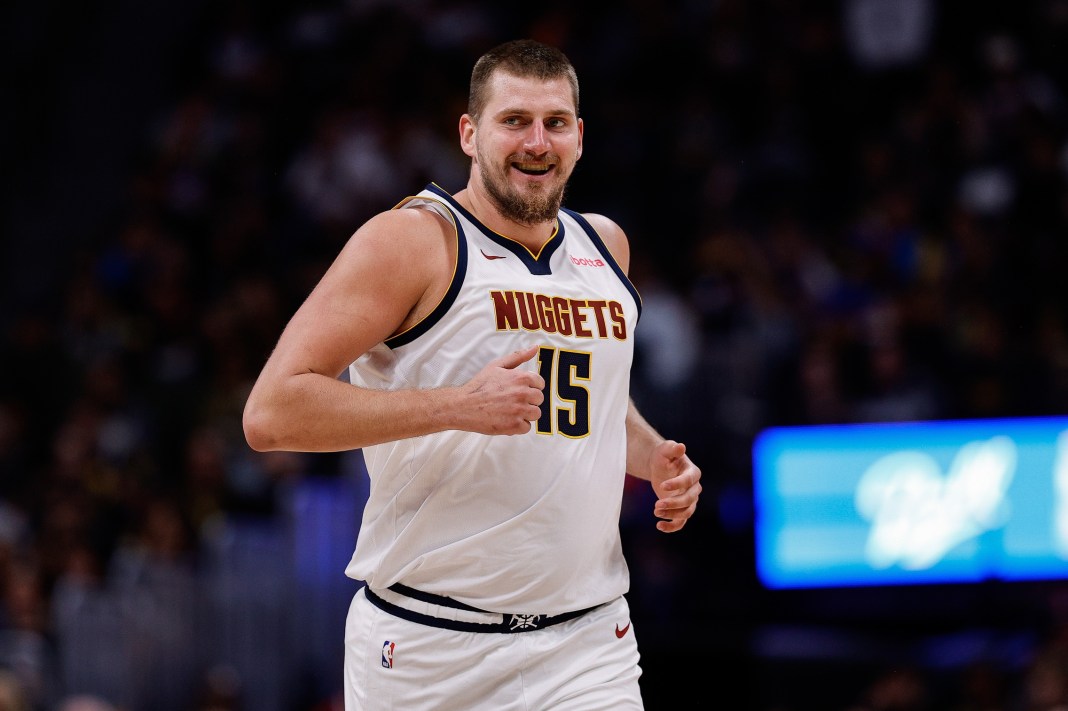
(911, 503)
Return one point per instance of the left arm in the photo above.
(662, 462)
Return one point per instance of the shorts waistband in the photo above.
(444, 612)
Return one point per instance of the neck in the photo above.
(533, 237)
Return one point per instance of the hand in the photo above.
(503, 398)
(677, 484)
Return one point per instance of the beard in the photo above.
(535, 206)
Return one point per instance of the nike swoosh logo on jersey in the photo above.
(621, 632)
(491, 256)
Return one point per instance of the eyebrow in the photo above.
(527, 112)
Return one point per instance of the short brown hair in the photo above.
(522, 58)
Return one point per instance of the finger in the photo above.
(674, 519)
(680, 482)
(516, 358)
(670, 526)
(669, 522)
(669, 508)
(675, 506)
(678, 500)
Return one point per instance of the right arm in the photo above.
(388, 276)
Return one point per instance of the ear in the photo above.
(467, 134)
(578, 153)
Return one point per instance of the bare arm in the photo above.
(663, 462)
(386, 278)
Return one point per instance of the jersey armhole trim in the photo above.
(607, 254)
(459, 270)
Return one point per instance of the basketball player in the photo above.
(488, 337)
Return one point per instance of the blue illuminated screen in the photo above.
(910, 503)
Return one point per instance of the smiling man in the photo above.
(488, 338)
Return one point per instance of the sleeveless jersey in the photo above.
(520, 523)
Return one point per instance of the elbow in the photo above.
(257, 428)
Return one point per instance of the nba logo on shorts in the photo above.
(387, 654)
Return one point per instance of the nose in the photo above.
(537, 139)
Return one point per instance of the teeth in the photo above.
(538, 167)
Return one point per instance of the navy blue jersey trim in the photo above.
(447, 301)
(603, 249)
(539, 265)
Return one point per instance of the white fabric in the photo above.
(586, 664)
(526, 523)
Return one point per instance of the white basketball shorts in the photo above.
(587, 663)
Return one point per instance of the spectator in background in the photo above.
(12, 695)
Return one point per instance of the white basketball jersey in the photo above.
(509, 523)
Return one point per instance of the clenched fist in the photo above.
(503, 398)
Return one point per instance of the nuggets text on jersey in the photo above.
(515, 310)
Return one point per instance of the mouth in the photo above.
(533, 168)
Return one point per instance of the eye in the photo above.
(513, 121)
(556, 123)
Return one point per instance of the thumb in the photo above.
(672, 450)
(516, 358)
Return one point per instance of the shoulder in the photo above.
(400, 252)
(402, 226)
(401, 237)
(406, 257)
(613, 236)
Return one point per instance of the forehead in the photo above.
(508, 92)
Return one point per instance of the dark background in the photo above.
(847, 211)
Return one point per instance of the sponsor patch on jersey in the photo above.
(586, 261)
(387, 654)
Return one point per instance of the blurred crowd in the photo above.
(839, 212)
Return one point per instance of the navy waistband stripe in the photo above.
(511, 623)
(433, 599)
